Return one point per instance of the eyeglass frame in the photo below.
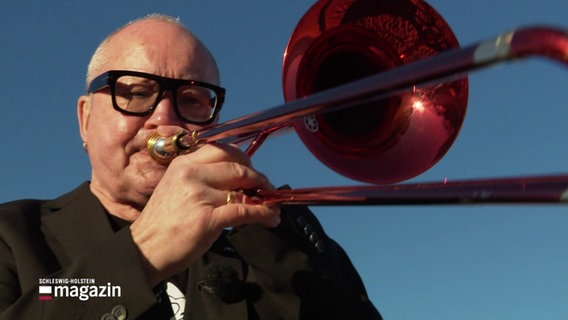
(109, 78)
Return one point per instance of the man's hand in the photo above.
(189, 209)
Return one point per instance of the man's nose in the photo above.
(164, 113)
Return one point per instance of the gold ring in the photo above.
(230, 197)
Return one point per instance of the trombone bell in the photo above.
(384, 140)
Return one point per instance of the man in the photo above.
(158, 235)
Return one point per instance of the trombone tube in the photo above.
(537, 189)
(533, 41)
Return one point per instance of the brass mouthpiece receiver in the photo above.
(164, 149)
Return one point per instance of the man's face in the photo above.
(122, 169)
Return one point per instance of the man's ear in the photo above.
(83, 115)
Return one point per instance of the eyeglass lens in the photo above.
(137, 94)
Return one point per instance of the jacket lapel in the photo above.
(74, 222)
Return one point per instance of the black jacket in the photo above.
(293, 271)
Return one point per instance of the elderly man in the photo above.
(162, 239)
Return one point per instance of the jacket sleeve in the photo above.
(303, 273)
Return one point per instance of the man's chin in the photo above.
(149, 173)
(144, 187)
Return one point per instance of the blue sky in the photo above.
(427, 262)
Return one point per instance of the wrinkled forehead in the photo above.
(161, 48)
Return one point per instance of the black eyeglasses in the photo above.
(138, 93)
